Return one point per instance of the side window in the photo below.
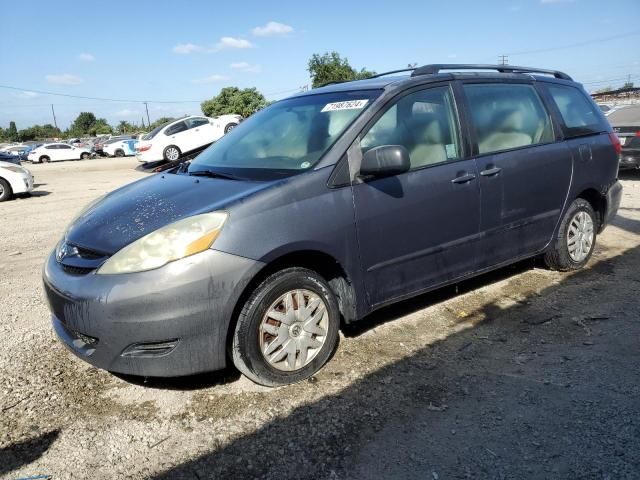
(50, 147)
(578, 113)
(64, 147)
(196, 122)
(177, 128)
(507, 116)
(424, 122)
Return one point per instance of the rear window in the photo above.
(579, 114)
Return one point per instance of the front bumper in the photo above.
(166, 322)
(24, 184)
(613, 199)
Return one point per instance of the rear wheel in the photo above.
(171, 153)
(44, 159)
(287, 329)
(230, 127)
(119, 153)
(84, 156)
(5, 190)
(576, 238)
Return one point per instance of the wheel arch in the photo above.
(320, 262)
(597, 201)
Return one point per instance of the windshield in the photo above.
(155, 131)
(285, 138)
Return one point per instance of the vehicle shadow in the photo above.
(532, 390)
(23, 453)
(187, 383)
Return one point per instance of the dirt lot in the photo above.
(523, 373)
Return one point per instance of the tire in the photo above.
(44, 159)
(84, 156)
(5, 190)
(229, 127)
(250, 337)
(558, 256)
(171, 153)
(119, 153)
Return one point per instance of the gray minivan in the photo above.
(326, 206)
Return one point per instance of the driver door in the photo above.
(418, 229)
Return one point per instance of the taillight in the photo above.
(616, 142)
(143, 148)
(638, 133)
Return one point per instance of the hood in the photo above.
(137, 209)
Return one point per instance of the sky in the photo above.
(167, 51)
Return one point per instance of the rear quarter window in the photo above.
(579, 114)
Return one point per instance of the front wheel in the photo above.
(171, 153)
(229, 127)
(576, 238)
(5, 190)
(44, 159)
(119, 153)
(288, 328)
(84, 156)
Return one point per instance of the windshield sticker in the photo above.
(305, 164)
(348, 105)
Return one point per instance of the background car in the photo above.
(9, 158)
(53, 152)
(120, 148)
(14, 179)
(626, 124)
(19, 150)
(172, 140)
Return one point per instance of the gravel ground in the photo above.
(522, 373)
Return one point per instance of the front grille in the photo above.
(76, 270)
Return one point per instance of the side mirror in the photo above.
(385, 160)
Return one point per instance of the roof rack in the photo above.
(390, 72)
(435, 68)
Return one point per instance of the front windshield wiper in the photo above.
(212, 174)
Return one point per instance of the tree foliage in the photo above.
(158, 122)
(12, 132)
(627, 85)
(232, 100)
(330, 67)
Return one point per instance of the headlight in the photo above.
(175, 241)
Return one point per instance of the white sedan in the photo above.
(180, 137)
(53, 152)
(14, 179)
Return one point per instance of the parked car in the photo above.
(174, 139)
(8, 157)
(120, 148)
(14, 179)
(626, 124)
(99, 145)
(326, 206)
(18, 150)
(53, 152)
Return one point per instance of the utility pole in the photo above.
(146, 106)
(55, 124)
(504, 59)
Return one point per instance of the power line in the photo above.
(579, 44)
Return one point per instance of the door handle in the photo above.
(464, 178)
(490, 172)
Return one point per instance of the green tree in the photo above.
(232, 100)
(126, 127)
(330, 67)
(628, 85)
(160, 121)
(12, 132)
(101, 127)
(83, 124)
